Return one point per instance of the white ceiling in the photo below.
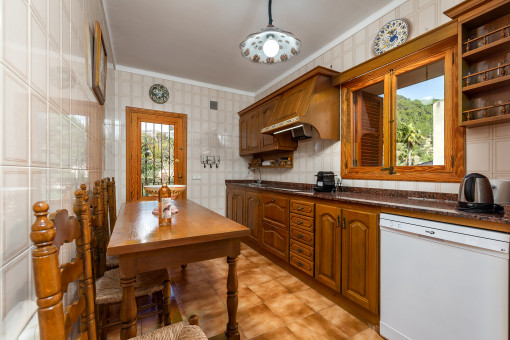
(199, 40)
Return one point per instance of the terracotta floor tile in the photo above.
(244, 265)
(150, 324)
(269, 290)
(253, 277)
(194, 291)
(247, 298)
(343, 320)
(313, 299)
(282, 333)
(249, 252)
(214, 326)
(315, 327)
(257, 320)
(292, 283)
(188, 276)
(205, 308)
(288, 308)
(275, 271)
(368, 334)
(260, 260)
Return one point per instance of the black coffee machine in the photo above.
(325, 181)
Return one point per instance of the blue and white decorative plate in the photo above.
(158, 93)
(391, 35)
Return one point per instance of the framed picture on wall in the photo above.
(89, 47)
(99, 73)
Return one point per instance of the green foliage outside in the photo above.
(157, 154)
(414, 132)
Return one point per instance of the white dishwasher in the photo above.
(443, 281)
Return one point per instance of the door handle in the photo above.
(180, 177)
(338, 221)
(343, 224)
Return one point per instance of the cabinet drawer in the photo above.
(275, 210)
(301, 249)
(302, 264)
(303, 222)
(302, 236)
(300, 207)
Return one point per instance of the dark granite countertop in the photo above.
(423, 202)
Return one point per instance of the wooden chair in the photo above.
(52, 280)
(149, 286)
(111, 261)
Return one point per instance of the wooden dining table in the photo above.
(196, 234)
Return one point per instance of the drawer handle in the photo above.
(299, 208)
(299, 222)
(299, 264)
(273, 200)
(300, 250)
(430, 232)
(300, 236)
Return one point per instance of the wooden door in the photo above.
(160, 137)
(253, 132)
(328, 245)
(267, 142)
(360, 258)
(239, 206)
(252, 214)
(243, 134)
(275, 210)
(275, 240)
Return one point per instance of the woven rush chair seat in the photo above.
(178, 331)
(109, 290)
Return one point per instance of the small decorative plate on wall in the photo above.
(392, 34)
(158, 93)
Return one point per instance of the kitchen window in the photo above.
(400, 121)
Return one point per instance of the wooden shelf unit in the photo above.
(484, 75)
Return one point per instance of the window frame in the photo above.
(454, 142)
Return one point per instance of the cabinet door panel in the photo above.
(267, 142)
(243, 135)
(252, 215)
(293, 101)
(359, 259)
(275, 210)
(327, 246)
(275, 240)
(239, 207)
(230, 204)
(253, 132)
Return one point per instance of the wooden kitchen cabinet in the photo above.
(328, 245)
(252, 214)
(235, 205)
(275, 240)
(249, 131)
(267, 142)
(275, 211)
(360, 249)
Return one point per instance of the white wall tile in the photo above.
(39, 57)
(39, 130)
(500, 157)
(16, 36)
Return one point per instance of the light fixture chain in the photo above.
(269, 11)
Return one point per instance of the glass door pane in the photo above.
(420, 116)
(157, 154)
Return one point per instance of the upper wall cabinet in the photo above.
(484, 60)
(309, 100)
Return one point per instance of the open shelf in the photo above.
(487, 85)
(487, 50)
(486, 121)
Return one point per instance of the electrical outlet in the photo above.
(196, 177)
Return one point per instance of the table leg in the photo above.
(167, 293)
(232, 332)
(128, 308)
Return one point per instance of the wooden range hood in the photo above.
(308, 100)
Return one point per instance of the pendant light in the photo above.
(270, 45)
